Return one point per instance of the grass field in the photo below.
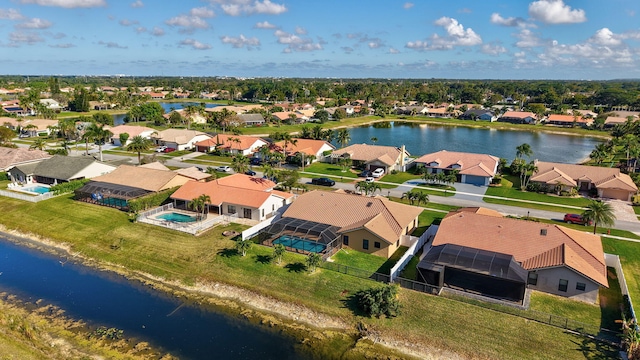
(425, 319)
(333, 170)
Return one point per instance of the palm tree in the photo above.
(243, 245)
(343, 137)
(196, 204)
(39, 143)
(204, 201)
(240, 163)
(599, 213)
(525, 173)
(139, 144)
(98, 134)
(278, 252)
(287, 139)
(313, 260)
(410, 195)
(269, 172)
(523, 150)
(369, 188)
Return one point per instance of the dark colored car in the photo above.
(575, 219)
(168, 150)
(365, 174)
(256, 161)
(250, 172)
(323, 181)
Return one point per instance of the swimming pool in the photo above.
(38, 189)
(299, 243)
(177, 217)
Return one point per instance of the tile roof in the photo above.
(141, 177)
(602, 177)
(525, 241)
(11, 157)
(132, 130)
(350, 212)
(226, 141)
(307, 146)
(246, 182)
(470, 163)
(155, 165)
(367, 153)
(568, 118)
(193, 173)
(179, 136)
(220, 193)
(519, 114)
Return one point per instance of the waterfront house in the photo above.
(314, 150)
(179, 139)
(58, 169)
(191, 172)
(477, 169)
(371, 157)
(478, 251)
(251, 119)
(568, 120)
(478, 114)
(519, 117)
(231, 144)
(612, 121)
(605, 182)
(131, 130)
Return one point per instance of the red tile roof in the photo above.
(470, 163)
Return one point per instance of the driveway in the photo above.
(623, 211)
(469, 192)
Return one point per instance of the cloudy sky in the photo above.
(465, 39)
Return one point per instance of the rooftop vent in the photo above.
(543, 232)
(369, 204)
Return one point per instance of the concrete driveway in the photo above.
(623, 210)
(469, 192)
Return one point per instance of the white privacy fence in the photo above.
(614, 262)
(25, 197)
(415, 244)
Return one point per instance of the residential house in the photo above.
(99, 105)
(232, 144)
(191, 172)
(59, 169)
(332, 220)
(313, 150)
(51, 104)
(477, 169)
(236, 195)
(479, 114)
(10, 157)
(179, 139)
(371, 157)
(605, 182)
(479, 251)
(251, 119)
(612, 121)
(568, 120)
(287, 116)
(132, 131)
(126, 183)
(441, 112)
(519, 117)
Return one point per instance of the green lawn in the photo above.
(430, 320)
(333, 170)
(629, 253)
(358, 260)
(215, 158)
(400, 177)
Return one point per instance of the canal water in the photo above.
(118, 119)
(421, 139)
(106, 299)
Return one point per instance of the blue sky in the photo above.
(468, 39)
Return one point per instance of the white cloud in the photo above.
(246, 7)
(457, 35)
(137, 4)
(30, 38)
(241, 41)
(195, 44)
(157, 31)
(375, 44)
(202, 12)
(394, 51)
(69, 4)
(417, 45)
(605, 37)
(295, 42)
(62, 46)
(527, 39)
(34, 23)
(555, 12)
(407, 5)
(493, 49)
(141, 29)
(265, 25)
(10, 14)
(127, 22)
(300, 30)
(112, 45)
(188, 23)
(497, 19)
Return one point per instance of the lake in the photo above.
(118, 119)
(421, 139)
(105, 298)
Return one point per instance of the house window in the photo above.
(581, 286)
(532, 279)
(563, 285)
(345, 240)
(398, 243)
(262, 213)
(365, 244)
(231, 209)
(376, 244)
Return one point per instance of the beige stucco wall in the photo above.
(93, 170)
(548, 280)
(355, 242)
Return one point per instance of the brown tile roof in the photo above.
(519, 114)
(142, 178)
(155, 165)
(602, 177)
(226, 141)
(350, 212)
(179, 136)
(568, 119)
(132, 130)
(524, 240)
(246, 182)
(193, 173)
(220, 193)
(11, 157)
(470, 163)
(367, 153)
(307, 146)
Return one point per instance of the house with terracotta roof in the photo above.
(132, 130)
(478, 251)
(179, 139)
(568, 120)
(312, 149)
(477, 169)
(128, 182)
(191, 172)
(329, 221)
(59, 169)
(30, 127)
(232, 144)
(607, 182)
(371, 157)
(238, 195)
(10, 157)
(519, 117)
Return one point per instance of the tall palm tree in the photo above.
(523, 150)
(139, 144)
(343, 137)
(39, 143)
(269, 172)
(98, 134)
(599, 213)
(240, 163)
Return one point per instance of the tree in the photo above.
(322, 115)
(98, 134)
(313, 260)
(139, 144)
(416, 196)
(368, 187)
(599, 212)
(269, 172)
(39, 143)
(103, 118)
(240, 163)
(243, 245)
(6, 135)
(343, 137)
(124, 137)
(345, 163)
(288, 178)
(525, 174)
(379, 301)
(523, 150)
(278, 251)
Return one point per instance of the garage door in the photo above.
(475, 180)
(615, 194)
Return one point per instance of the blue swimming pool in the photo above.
(299, 243)
(39, 189)
(177, 217)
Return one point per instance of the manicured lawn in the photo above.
(411, 270)
(400, 177)
(451, 326)
(358, 260)
(215, 158)
(629, 253)
(563, 307)
(510, 189)
(329, 169)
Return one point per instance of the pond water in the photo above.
(421, 139)
(107, 299)
(118, 119)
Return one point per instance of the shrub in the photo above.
(379, 301)
(394, 171)
(149, 201)
(68, 187)
(4, 176)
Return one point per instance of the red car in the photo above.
(575, 219)
(168, 150)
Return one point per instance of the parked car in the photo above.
(250, 172)
(256, 161)
(365, 173)
(200, 169)
(377, 172)
(224, 168)
(575, 219)
(168, 150)
(369, 179)
(323, 181)
(161, 149)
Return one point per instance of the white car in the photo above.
(160, 149)
(224, 168)
(369, 179)
(377, 172)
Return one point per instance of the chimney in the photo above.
(402, 150)
(543, 232)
